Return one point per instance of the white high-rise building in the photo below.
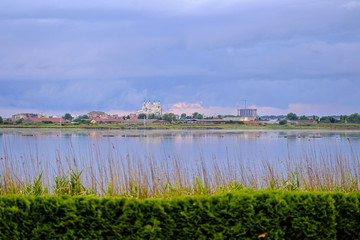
(150, 108)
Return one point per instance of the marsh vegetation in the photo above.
(126, 174)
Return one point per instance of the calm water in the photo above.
(43, 147)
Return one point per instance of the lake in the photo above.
(31, 151)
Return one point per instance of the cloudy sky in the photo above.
(192, 55)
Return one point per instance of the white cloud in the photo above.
(189, 108)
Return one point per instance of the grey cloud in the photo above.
(80, 54)
(69, 95)
(89, 43)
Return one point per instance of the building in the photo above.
(98, 114)
(109, 120)
(19, 116)
(150, 108)
(140, 121)
(29, 115)
(39, 120)
(43, 115)
(247, 114)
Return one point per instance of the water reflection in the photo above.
(187, 144)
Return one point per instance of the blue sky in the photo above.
(192, 55)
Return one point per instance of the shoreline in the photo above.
(189, 127)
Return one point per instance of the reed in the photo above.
(115, 174)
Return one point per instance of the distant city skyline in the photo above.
(202, 56)
(189, 110)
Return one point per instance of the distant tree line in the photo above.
(170, 116)
(84, 119)
(294, 117)
(353, 118)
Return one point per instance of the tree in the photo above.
(169, 117)
(68, 116)
(292, 116)
(354, 118)
(1, 120)
(197, 115)
(283, 122)
(303, 117)
(183, 116)
(142, 116)
(82, 119)
(153, 116)
(21, 120)
(46, 122)
(327, 119)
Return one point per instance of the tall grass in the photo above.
(115, 174)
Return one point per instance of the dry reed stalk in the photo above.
(312, 170)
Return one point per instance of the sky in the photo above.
(208, 56)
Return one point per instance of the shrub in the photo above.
(241, 215)
(47, 122)
(282, 122)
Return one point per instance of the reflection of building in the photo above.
(150, 108)
(247, 114)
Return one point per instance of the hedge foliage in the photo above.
(242, 215)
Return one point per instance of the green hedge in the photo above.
(242, 215)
